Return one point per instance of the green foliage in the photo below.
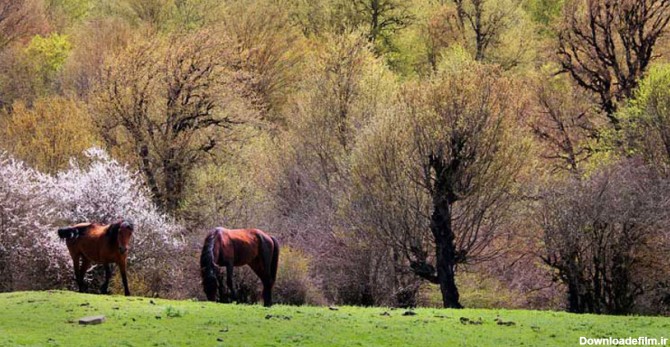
(330, 103)
(646, 119)
(49, 52)
(268, 54)
(652, 98)
(192, 14)
(454, 59)
(544, 11)
(66, 13)
(232, 190)
(45, 57)
(314, 18)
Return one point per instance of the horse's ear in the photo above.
(127, 224)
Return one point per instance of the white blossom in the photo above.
(34, 205)
(30, 254)
(105, 191)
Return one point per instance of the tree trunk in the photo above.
(174, 181)
(145, 165)
(445, 249)
(446, 274)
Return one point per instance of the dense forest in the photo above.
(479, 153)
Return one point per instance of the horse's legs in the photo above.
(229, 281)
(108, 275)
(267, 293)
(122, 268)
(85, 265)
(219, 280)
(266, 279)
(75, 261)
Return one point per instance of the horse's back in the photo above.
(243, 245)
(91, 243)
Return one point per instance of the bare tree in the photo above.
(20, 19)
(442, 180)
(383, 17)
(602, 235)
(607, 45)
(168, 103)
(491, 31)
(486, 22)
(564, 123)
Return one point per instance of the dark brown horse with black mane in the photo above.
(238, 247)
(90, 243)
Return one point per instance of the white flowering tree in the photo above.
(104, 191)
(33, 205)
(30, 254)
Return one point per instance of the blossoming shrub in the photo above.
(103, 190)
(98, 189)
(30, 255)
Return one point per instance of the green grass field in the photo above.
(51, 319)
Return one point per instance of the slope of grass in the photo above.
(51, 319)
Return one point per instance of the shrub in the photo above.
(103, 190)
(30, 256)
(294, 284)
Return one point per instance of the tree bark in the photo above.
(145, 165)
(174, 182)
(445, 249)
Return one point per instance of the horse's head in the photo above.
(208, 267)
(124, 234)
(210, 286)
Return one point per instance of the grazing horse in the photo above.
(238, 247)
(101, 244)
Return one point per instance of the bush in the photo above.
(479, 291)
(30, 254)
(294, 284)
(33, 205)
(104, 191)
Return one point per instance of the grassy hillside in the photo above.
(51, 319)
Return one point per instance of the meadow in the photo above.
(50, 318)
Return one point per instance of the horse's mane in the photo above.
(207, 266)
(112, 233)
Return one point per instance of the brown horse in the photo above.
(238, 247)
(101, 244)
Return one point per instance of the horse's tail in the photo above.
(207, 266)
(269, 251)
(266, 246)
(71, 233)
(275, 259)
